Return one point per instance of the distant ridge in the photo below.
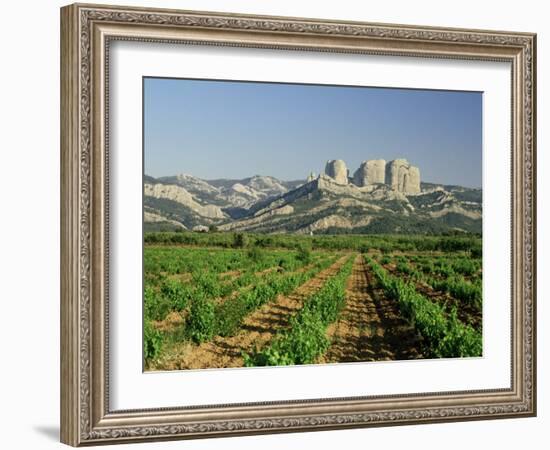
(380, 198)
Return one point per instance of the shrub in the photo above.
(240, 240)
(229, 316)
(403, 267)
(305, 340)
(386, 259)
(207, 283)
(460, 340)
(476, 251)
(460, 289)
(202, 319)
(427, 266)
(256, 254)
(266, 241)
(155, 306)
(364, 248)
(443, 267)
(176, 294)
(445, 335)
(304, 253)
(152, 341)
(465, 266)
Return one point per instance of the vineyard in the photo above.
(218, 300)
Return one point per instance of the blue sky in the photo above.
(227, 129)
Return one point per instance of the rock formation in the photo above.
(413, 186)
(395, 173)
(180, 195)
(403, 177)
(337, 170)
(398, 174)
(370, 172)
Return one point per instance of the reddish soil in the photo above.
(185, 277)
(229, 275)
(370, 327)
(173, 320)
(467, 313)
(258, 329)
(262, 273)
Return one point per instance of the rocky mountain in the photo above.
(231, 193)
(380, 198)
(196, 203)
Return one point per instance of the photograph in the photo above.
(290, 224)
(290, 220)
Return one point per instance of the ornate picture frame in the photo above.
(87, 32)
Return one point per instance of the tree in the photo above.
(240, 240)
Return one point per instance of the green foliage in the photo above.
(306, 338)
(240, 240)
(444, 334)
(176, 294)
(364, 248)
(256, 254)
(219, 287)
(399, 224)
(466, 266)
(427, 266)
(385, 248)
(401, 259)
(305, 341)
(476, 251)
(304, 253)
(207, 284)
(265, 241)
(403, 267)
(176, 260)
(211, 310)
(202, 319)
(461, 340)
(152, 341)
(229, 314)
(466, 243)
(445, 269)
(460, 289)
(386, 259)
(156, 306)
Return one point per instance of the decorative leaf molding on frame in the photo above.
(203, 20)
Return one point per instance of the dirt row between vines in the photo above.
(467, 314)
(175, 319)
(258, 329)
(370, 327)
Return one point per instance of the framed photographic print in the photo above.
(276, 224)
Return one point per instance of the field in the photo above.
(214, 300)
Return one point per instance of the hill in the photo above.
(321, 205)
